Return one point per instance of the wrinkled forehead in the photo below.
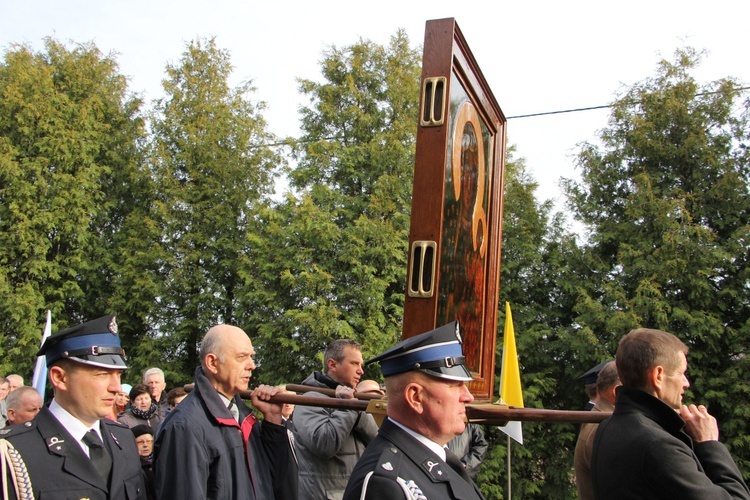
(239, 345)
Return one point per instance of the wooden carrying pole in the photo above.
(329, 392)
(481, 413)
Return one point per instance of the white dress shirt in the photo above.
(432, 445)
(75, 427)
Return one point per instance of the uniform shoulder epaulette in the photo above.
(15, 430)
(389, 462)
(389, 466)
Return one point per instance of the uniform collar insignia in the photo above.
(435, 469)
(56, 444)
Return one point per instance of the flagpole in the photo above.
(509, 481)
(510, 385)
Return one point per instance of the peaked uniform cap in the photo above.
(590, 376)
(437, 353)
(94, 343)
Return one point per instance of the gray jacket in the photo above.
(328, 443)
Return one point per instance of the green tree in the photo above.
(69, 133)
(336, 260)
(538, 277)
(665, 198)
(210, 160)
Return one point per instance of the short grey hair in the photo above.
(13, 401)
(153, 371)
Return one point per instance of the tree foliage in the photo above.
(664, 201)
(665, 197)
(210, 158)
(539, 274)
(68, 146)
(336, 261)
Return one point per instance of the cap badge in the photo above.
(113, 326)
(458, 333)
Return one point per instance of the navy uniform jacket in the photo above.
(396, 466)
(59, 468)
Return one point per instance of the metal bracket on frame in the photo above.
(434, 94)
(422, 269)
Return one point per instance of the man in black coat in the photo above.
(653, 446)
(471, 447)
(425, 381)
(70, 449)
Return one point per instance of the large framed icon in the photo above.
(457, 203)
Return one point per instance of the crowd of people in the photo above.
(99, 438)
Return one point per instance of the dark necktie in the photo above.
(456, 464)
(98, 454)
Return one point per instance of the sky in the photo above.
(537, 56)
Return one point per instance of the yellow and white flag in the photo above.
(510, 377)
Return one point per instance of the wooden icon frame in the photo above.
(457, 203)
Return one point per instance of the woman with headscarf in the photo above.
(143, 410)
